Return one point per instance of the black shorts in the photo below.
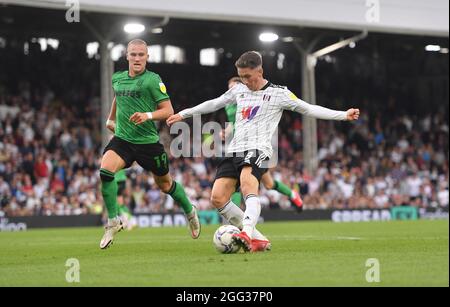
(231, 167)
(151, 157)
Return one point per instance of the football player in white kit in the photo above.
(260, 105)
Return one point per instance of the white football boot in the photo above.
(110, 230)
(194, 223)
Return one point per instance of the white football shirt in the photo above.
(258, 114)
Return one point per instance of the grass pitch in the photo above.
(410, 253)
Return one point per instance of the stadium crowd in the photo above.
(50, 136)
(49, 159)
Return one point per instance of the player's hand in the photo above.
(139, 118)
(174, 119)
(111, 125)
(352, 114)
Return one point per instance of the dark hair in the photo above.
(250, 59)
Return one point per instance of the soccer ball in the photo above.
(223, 240)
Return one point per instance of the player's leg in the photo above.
(224, 186)
(176, 191)
(269, 183)
(152, 157)
(120, 190)
(250, 190)
(111, 163)
(251, 171)
(222, 190)
(123, 210)
(124, 213)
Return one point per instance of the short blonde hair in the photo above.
(137, 41)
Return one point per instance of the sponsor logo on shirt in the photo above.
(127, 93)
(250, 112)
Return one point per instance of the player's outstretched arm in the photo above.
(203, 108)
(298, 105)
(164, 111)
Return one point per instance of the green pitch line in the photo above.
(409, 253)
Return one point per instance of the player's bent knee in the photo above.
(218, 200)
(164, 186)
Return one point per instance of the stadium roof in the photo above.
(20, 22)
(418, 17)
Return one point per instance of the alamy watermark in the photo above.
(373, 272)
(73, 271)
(373, 11)
(73, 11)
(209, 140)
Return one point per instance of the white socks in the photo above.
(251, 215)
(233, 214)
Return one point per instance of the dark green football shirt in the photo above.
(141, 93)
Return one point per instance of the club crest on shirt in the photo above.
(162, 88)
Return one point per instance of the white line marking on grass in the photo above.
(349, 238)
(314, 238)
